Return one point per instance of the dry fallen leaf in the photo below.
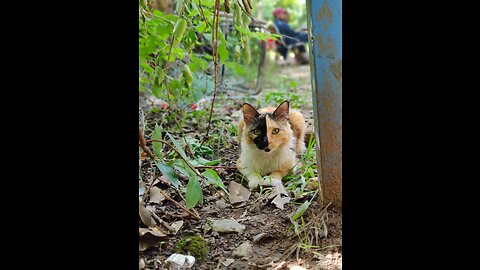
(145, 215)
(279, 201)
(155, 195)
(162, 179)
(177, 225)
(237, 192)
(277, 189)
(149, 237)
(155, 231)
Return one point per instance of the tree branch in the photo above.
(143, 145)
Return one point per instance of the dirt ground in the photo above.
(266, 227)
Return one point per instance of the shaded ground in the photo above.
(274, 246)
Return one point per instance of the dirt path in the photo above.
(265, 238)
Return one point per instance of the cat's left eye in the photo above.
(275, 131)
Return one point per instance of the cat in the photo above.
(270, 139)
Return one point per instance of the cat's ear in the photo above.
(249, 113)
(282, 111)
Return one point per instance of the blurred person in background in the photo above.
(292, 40)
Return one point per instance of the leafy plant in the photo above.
(304, 173)
(175, 68)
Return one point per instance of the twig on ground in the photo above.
(164, 224)
(185, 201)
(172, 214)
(289, 251)
(196, 216)
(143, 145)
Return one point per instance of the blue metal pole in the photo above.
(324, 19)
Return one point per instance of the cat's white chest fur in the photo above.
(263, 163)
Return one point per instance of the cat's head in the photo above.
(268, 128)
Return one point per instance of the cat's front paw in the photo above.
(273, 182)
(253, 182)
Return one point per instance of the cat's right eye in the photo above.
(257, 132)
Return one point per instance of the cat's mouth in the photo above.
(267, 149)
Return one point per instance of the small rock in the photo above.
(258, 237)
(227, 225)
(179, 261)
(245, 250)
(222, 204)
(228, 261)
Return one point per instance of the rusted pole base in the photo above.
(325, 33)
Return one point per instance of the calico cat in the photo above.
(270, 140)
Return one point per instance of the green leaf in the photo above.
(164, 29)
(178, 30)
(157, 146)
(178, 52)
(222, 47)
(178, 146)
(206, 3)
(172, 18)
(193, 162)
(293, 84)
(169, 173)
(264, 36)
(172, 57)
(193, 12)
(182, 167)
(244, 30)
(208, 162)
(194, 193)
(156, 90)
(222, 51)
(159, 75)
(147, 67)
(158, 13)
(201, 26)
(213, 177)
(173, 88)
(301, 210)
(197, 63)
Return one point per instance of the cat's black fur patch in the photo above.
(261, 141)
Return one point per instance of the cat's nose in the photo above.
(265, 141)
